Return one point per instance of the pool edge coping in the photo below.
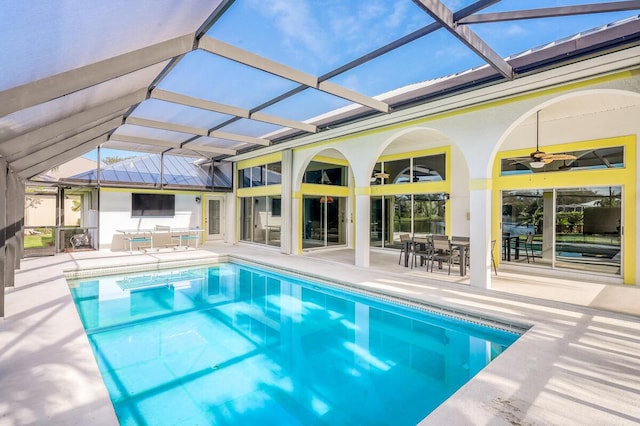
(469, 315)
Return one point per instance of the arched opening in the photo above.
(325, 201)
(574, 211)
(411, 187)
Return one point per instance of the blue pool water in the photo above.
(231, 344)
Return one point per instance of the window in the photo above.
(590, 159)
(274, 173)
(153, 205)
(325, 174)
(267, 174)
(276, 206)
(410, 170)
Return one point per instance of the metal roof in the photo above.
(211, 79)
(154, 170)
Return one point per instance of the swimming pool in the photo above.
(234, 344)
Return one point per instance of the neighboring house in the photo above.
(40, 205)
(152, 190)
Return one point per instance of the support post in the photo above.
(480, 232)
(362, 218)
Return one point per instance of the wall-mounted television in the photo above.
(153, 205)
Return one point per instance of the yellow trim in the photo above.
(624, 177)
(260, 161)
(480, 184)
(259, 191)
(330, 160)
(296, 195)
(419, 153)
(315, 189)
(411, 188)
(362, 190)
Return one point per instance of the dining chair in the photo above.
(405, 240)
(442, 251)
(422, 248)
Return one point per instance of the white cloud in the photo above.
(514, 30)
(398, 17)
(295, 21)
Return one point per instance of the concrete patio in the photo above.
(577, 364)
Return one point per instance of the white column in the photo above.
(480, 232)
(296, 226)
(362, 217)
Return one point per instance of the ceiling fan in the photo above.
(538, 159)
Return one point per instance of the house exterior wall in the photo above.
(115, 214)
(586, 106)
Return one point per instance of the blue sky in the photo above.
(317, 36)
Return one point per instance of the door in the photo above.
(323, 221)
(214, 218)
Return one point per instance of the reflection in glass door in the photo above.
(377, 221)
(260, 219)
(414, 214)
(569, 228)
(587, 234)
(323, 221)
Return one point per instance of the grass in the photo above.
(38, 241)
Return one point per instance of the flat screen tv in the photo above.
(153, 205)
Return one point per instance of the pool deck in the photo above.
(578, 364)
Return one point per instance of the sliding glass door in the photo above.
(569, 228)
(260, 220)
(323, 221)
(587, 235)
(414, 214)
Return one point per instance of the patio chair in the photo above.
(467, 255)
(442, 252)
(528, 248)
(422, 248)
(405, 245)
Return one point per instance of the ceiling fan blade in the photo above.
(521, 160)
(561, 156)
